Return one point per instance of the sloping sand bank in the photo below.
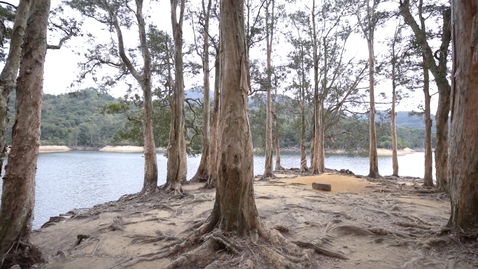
(44, 149)
(375, 225)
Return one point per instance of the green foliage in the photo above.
(75, 119)
(94, 119)
(350, 133)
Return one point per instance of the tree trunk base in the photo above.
(23, 254)
(210, 183)
(174, 188)
(268, 177)
(200, 176)
(210, 248)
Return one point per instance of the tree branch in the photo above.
(9, 4)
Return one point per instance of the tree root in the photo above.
(146, 239)
(206, 248)
(320, 250)
(21, 253)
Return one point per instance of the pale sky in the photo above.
(61, 67)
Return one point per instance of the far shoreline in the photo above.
(137, 149)
(120, 149)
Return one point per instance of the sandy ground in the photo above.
(125, 149)
(45, 149)
(122, 149)
(375, 225)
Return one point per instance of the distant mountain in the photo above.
(404, 118)
(413, 121)
(197, 93)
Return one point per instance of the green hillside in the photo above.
(74, 119)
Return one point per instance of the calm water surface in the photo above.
(79, 179)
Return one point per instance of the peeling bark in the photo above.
(234, 209)
(176, 148)
(463, 158)
(10, 70)
(18, 195)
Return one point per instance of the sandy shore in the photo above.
(384, 224)
(125, 149)
(122, 149)
(44, 149)
(380, 151)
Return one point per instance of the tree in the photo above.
(397, 65)
(301, 64)
(439, 72)
(337, 76)
(463, 133)
(116, 15)
(427, 177)
(367, 25)
(316, 151)
(176, 148)
(10, 70)
(235, 206)
(203, 173)
(270, 24)
(395, 59)
(18, 196)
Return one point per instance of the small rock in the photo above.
(321, 186)
(16, 266)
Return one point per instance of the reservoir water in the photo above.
(79, 179)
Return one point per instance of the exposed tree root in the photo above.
(145, 239)
(21, 253)
(200, 176)
(320, 250)
(210, 183)
(267, 178)
(206, 248)
(172, 188)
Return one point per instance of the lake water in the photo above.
(78, 179)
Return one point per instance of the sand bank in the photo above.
(44, 149)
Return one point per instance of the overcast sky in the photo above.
(61, 67)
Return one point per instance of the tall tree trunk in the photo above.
(234, 209)
(463, 174)
(213, 157)
(18, 196)
(373, 157)
(269, 39)
(176, 156)
(317, 115)
(439, 72)
(428, 177)
(394, 116)
(303, 151)
(10, 70)
(143, 78)
(441, 146)
(203, 173)
(394, 62)
(150, 182)
(277, 143)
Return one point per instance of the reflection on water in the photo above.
(78, 179)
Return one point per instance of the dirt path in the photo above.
(375, 225)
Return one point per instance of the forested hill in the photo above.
(75, 119)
